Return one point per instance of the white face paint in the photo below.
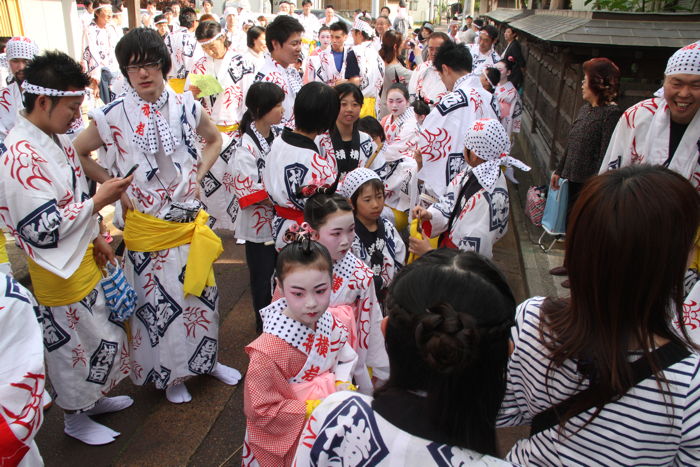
(337, 233)
(308, 294)
(396, 102)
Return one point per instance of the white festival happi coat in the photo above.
(441, 139)
(235, 74)
(22, 375)
(173, 336)
(253, 219)
(294, 161)
(286, 78)
(642, 137)
(185, 51)
(346, 430)
(482, 218)
(371, 70)
(10, 104)
(385, 255)
(361, 155)
(44, 202)
(482, 61)
(98, 49)
(426, 84)
(399, 173)
(322, 67)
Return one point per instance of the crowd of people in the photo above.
(365, 170)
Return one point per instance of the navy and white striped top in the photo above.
(644, 427)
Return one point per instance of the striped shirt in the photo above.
(644, 427)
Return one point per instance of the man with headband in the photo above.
(365, 67)
(47, 207)
(170, 247)
(98, 58)
(19, 51)
(664, 130)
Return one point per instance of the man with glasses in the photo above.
(170, 248)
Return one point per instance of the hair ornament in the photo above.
(307, 191)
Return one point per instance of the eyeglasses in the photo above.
(151, 66)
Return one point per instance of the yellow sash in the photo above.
(143, 232)
(178, 84)
(413, 232)
(400, 219)
(3, 251)
(52, 290)
(369, 107)
(695, 263)
(227, 128)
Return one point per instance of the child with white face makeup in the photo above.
(399, 173)
(331, 218)
(303, 355)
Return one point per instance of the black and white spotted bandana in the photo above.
(488, 140)
(151, 120)
(685, 61)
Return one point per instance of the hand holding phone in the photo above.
(131, 170)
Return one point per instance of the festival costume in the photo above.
(294, 161)
(174, 332)
(425, 84)
(371, 76)
(441, 139)
(235, 74)
(482, 61)
(361, 149)
(22, 375)
(10, 105)
(322, 67)
(185, 51)
(290, 363)
(98, 54)
(49, 212)
(286, 78)
(399, 173)
(510, 106)
(352, 429)
(383, 251)
(311, 26)
(353, 285)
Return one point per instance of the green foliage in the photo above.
(637, 5)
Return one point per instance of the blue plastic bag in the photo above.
(554, 217)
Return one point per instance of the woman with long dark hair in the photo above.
(605, 377)
(395, 70)
(448, 316)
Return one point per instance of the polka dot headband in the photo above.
(488, 140)
(355, 179)
(363, 26)
(21, 47)
(685, 61)
(34, 89)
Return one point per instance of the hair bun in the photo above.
(447, 339)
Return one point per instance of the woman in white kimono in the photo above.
(448, 320)
(174, 332)
(235, 74)
(399, 173)
(350, 147)
(295, 160)
(254, 212)
(45, 203)
(473, 213)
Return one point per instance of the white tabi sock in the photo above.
(178, 393)
(110, 404)
(81, 427)
(226, 374)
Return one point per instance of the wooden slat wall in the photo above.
(10, 18)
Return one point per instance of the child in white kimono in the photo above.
(377, 242)
(330, 217)
(449, 317)
(254, 210)
(399, 173)
(472, 215)
(302, 356)
(509, 103)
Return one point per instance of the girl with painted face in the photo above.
(303, 355)
(331, 219)
(399, 173)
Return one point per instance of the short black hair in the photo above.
(455, 56)
(323, 28)
(305, 2)
(479, 23)
(385, 8)
(157, 18)
(377, 187)
(339, 26)
(491, 31)
(53, 70)
(142, 45)
(210, 2)
(420, 107)
(281, 29)
(253, 34)
(349, 88)
(316, 107)
(261, 98)
(330, 6)
(372, 127)
(492, 76)
(303, 252)
(188, 17)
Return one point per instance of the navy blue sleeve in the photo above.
(352, 69)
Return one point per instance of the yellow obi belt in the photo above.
(369, 108)
(52, 290)
(178, 84)
(3, 249)
(146, 233)
(227, 128)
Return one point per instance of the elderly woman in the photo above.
(590, 132)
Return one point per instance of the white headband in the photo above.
(212, 39)
(34, 89)
(363, 26)
(102, 6)
(161, 21)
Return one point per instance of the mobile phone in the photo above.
(131, 170)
